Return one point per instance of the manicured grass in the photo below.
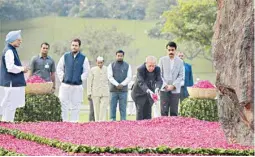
(55, 29)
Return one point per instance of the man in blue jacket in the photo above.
(12, 77)
(72, 70)
(188, 78)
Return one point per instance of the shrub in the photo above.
(203, 109)
(44, 107)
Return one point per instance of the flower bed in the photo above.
(169, 131)
(25, 147)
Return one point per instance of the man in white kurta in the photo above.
(72, 70)
(12, 77)
(98, 89)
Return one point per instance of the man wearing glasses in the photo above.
(172, 75)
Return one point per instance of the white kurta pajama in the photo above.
(98, 88)
(71, 96)
(14, 97)
(1, 98)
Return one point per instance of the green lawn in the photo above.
(54, 29)
(84, 117)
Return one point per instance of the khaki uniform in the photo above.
(98, 88)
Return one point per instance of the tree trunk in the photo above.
(233, 46)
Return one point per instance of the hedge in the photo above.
(203, 109)
(45, 107)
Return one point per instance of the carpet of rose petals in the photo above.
(169, 131)
(25, 147)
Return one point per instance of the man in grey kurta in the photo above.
(119, 75)
(43, 65)
(172, 74)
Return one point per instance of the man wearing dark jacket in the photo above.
(147, 83)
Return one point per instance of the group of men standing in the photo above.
(106, 86)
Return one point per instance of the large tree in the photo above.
(233, 51)
(16, 9)
(192, 21)
(157, 7)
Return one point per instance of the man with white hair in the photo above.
(12, 77)
(98, 89)
(147, 85)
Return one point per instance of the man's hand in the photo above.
(150, 92)
(120, 86)
(170, 87)
(89, 97)
(157, 91)
(25, 69)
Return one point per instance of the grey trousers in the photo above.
(91, 111)
(169, 102)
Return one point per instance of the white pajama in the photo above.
(1, 98)
(14, 97)
(71, 98)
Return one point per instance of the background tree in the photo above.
(191, 49)
(121, 9)
(16, 9)
(157, 7)
(192, 20)
(98, 42)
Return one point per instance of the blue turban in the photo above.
(12, 36)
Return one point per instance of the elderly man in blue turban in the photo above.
(12, 77)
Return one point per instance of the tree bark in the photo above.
(233, 52)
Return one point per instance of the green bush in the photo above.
(44, 107)
(203, 109)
